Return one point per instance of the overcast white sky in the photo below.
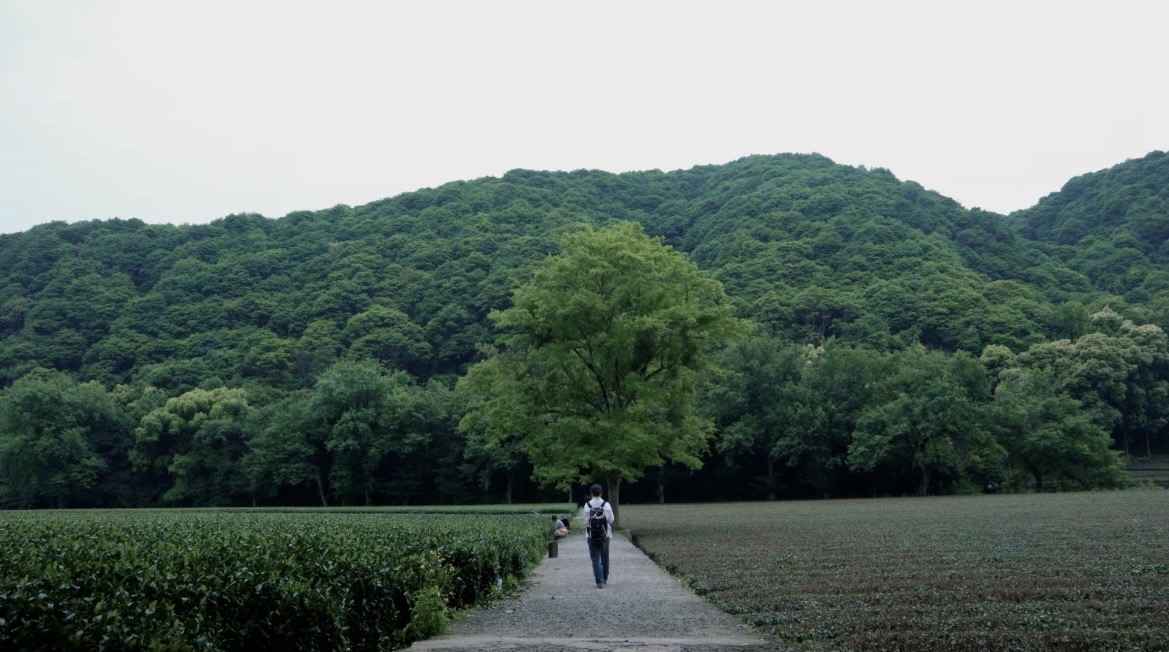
(188, 111)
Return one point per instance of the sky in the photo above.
(185, 112)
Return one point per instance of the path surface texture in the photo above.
(641, 609)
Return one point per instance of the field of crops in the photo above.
(239, 580)
(1078, 572)
(527, 508)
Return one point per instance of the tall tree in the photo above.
(1050, 435)
(386, 334)
(284, 451)
(928, 418)
(756, 402)
(53, 432)
(835, 388)
(497, 420)
(361, 415)
(1119, 371)
(610, 333)
(199, 440)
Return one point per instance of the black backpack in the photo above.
(598, 525)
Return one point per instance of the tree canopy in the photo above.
(849, 275)
(607, 337)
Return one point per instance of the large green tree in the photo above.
(756, 403)
(360, 415)
(1050, 436)
(496, 421)
(1119, 371)
(835, 388)
(609, 334)
(286, 450)
(927, 417)
(54, 435)
(198, 439)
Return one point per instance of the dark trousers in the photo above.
(599, 553)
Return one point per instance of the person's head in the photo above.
(596, 491)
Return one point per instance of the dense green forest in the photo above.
(899, 342)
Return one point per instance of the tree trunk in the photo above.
(770, 478)
(321, 489)
(924, 487)
(614, 482)
(510, 486)
(1148, 445)
(661, 486)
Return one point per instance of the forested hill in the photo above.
(1112, 226)
(312, 358)
(810, 248)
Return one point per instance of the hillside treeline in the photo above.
(902, 343)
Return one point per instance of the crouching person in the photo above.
(560, 527)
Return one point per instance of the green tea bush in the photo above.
(236, 581)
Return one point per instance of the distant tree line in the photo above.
(901, 343)
(835, 419)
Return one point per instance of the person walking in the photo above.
(598, 518)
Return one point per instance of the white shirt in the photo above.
(597, 502)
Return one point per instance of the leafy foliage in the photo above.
(198, 439)
(849, 269)
(59, 442)
(926, 417)
(1049, 434)
(811, 248)
(608, 336)
(1109, 225)
(233, 581)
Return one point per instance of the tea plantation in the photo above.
(1073, 572)
(237, 580)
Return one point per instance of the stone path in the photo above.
(642, 609)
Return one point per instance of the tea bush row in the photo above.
(161, 580)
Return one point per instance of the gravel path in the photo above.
(642, 609)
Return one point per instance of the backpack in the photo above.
(598, 525)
